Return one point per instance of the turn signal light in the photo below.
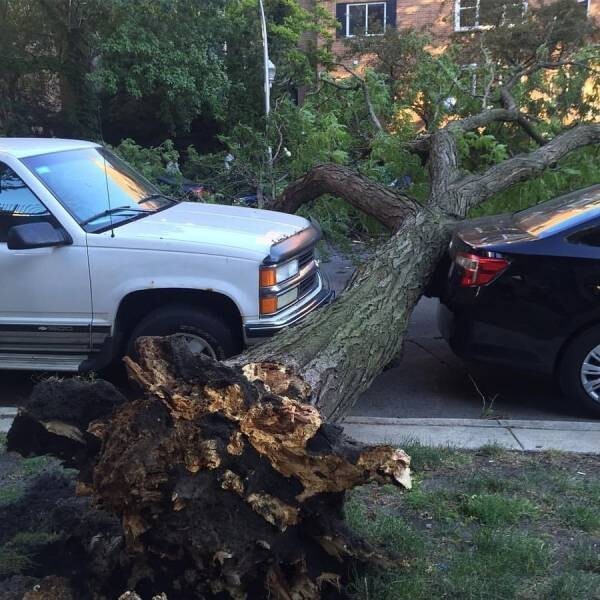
(268, 305)
(479, 270)
(268, 276)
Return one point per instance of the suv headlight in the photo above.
(270, 276)
(273, 304)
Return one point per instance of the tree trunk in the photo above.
(339, 350)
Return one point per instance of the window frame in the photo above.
(587, 6)
(458, 9)
(347, 33)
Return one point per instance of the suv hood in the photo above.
(208, 228)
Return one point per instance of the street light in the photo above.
(271, 71)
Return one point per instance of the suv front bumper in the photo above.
(257, 331)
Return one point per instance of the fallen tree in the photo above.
(229, 479)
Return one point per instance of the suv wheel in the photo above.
(205, 332)
(579, 370)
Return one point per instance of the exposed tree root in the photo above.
(226, 483)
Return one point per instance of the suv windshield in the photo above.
(97, 188)
(561, 213)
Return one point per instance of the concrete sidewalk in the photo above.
(7, 414)
(568, 436)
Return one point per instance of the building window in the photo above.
(483, 14)
(365, 19)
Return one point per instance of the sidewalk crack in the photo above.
(509, 429)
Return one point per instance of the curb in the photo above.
(7, 414)
(567, 436)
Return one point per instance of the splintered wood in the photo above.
(227, 481)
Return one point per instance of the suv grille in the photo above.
(307, 285)
(306, 257)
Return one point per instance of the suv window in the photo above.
(18, 204)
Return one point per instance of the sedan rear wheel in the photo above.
(590, 374)
(579, 370)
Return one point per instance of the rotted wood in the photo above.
(226, 481)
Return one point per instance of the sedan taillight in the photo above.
(479, 270)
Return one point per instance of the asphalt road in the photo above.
(429, 381)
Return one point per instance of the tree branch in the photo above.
(475, 189)
(363, 84)
(381, 202)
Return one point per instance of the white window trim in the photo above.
(458, 10)
(366, 4)
(587, 6)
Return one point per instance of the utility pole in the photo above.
(269, 76)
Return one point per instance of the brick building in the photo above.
(441, 18)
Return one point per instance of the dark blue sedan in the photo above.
(523, 290)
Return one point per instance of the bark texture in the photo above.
(226, 481)
(383, 203)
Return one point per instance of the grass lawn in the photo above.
(479, 525)
(486, 525)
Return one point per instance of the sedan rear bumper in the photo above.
(475, 340)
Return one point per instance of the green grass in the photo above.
(491, 525)
(9, 494)
(431, 457)
(496, 510)
(17, 555)
(36, 465)
(580, 516)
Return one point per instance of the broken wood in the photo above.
(225, 480)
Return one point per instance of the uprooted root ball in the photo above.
(226, 481)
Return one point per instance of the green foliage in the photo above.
(580, 169)
(480, 150)
(287, 24)
(162, 60)
(299, 139)
(45, 49)
(150, 162)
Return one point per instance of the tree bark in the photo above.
(379, 201)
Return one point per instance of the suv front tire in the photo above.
(206, 332)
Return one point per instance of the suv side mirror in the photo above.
(36, 235)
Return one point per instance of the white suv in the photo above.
(93, 256)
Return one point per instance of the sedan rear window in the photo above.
(560, 214)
